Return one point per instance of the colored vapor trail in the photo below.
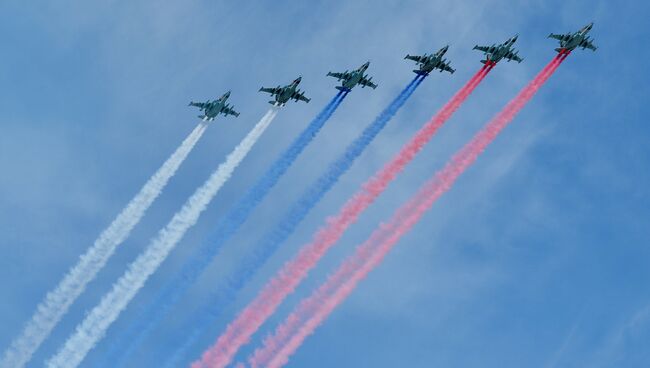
(271, 241)
(253, 316)
(128, 341)
(311, 312)
(94, 326)
(57, 302)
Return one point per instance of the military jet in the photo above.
(428, 63)
(570, 41)
(286, 93)
(494, 53)
(211, 109)
(351, 79)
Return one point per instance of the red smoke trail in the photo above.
(312, 311)
(266, 302)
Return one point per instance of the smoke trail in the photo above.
(274, 292)
(312, 311)
(57, 302)
(130, 339)
(94, 326)
(270, 242)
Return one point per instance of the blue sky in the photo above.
(537, 257)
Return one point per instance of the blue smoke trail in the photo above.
(127, 342)
(271, 241)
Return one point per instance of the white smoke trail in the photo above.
(58, 301)
(94, 326)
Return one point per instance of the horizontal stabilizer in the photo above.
(343, 89)
(420, 72)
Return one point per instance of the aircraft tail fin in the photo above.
(419, 72)
(342, 89)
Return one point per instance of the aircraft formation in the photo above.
(426, 64)
(95, 324)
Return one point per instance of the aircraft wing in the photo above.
(483, 48)
(588, 45)
(339, 76)
(200, 105)
(273, 91)
(300, 96)
(560, 37)
(513, 56)
(417, 59)
(367, 82)
(227, 110)
(446, 67)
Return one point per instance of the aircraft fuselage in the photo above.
(214, 109)
(575, 41)
(433, 61)
(286, 94)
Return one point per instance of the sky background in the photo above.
(538, 257)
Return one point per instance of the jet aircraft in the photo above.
(494, 53)
(571, 41)
(351, 79)
(284, 94)
(428, 63)
(211, 109)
